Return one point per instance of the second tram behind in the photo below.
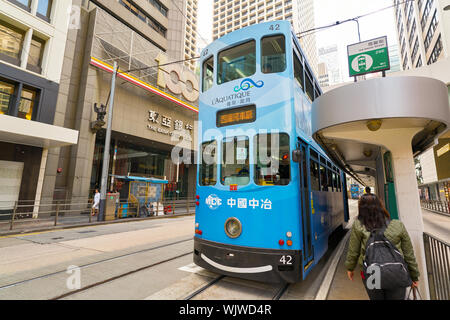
(268, 197)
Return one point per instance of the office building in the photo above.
(33, 35)
(423, 33)
(230, 15)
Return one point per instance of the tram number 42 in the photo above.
(286, 259)
(274, 27)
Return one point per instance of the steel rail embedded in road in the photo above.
(203, 288)
(94, 263)
(118, 277)
(281, 291)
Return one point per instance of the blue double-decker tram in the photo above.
(268, 197)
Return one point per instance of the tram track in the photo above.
(18, 283)
(99, 283)
(277, 296)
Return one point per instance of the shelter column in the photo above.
(408, 201)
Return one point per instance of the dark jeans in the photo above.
(384, 294)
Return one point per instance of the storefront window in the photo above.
(26, 104)
(11, 42)
(237, 62)
(6, 93)
(272, 159)
(235, 161)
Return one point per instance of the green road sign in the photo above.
(368, 56)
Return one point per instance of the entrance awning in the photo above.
(144, 179)
(33, 133)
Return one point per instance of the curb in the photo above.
(322, 293)
(92, 224)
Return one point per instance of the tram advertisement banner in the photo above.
(368, 56)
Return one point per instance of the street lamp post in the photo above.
(105, 167)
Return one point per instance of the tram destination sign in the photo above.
(368, 56)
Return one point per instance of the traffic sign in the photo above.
(368, 56)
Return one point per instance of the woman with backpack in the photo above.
(382, 248)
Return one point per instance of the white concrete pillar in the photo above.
(40, 184)
(26, 48)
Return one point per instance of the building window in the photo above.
(426, 12)
(35, 55)
(26, 104)
(11, 43)
(24, 4)
(419, 62)
(44, 9)
(6, 95)
(415, 49)
(430, 32)
(436, 51)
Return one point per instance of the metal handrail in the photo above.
(437, 253)
(52, 212)
(436, 205)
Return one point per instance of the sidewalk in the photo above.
(70, 221)
(342, 288)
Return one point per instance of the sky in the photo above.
(328, 12)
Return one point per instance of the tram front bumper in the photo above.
(265, 265)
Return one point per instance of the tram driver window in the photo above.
(272, 163)
(208, 72)
(237, 62)
(235, 161)
(273, 54)
(208, 165)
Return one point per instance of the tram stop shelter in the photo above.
(374, 128)
(144, 195)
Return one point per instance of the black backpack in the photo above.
(382, 258)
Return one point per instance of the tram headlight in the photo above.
(233, 227)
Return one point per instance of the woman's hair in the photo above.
(372, 213)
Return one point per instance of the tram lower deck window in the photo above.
(235, 161)
(272, 165)
(208, 165)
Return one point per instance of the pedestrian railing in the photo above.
(32, 214)
(436, 205)
(437, 253)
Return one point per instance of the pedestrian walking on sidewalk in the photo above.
(373, 222)
(96, 204)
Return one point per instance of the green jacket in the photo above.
(395, 232)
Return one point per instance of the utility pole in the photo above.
(105, 167)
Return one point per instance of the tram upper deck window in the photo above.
(273, 54)
(235, 161)
(272, 164)
(237, 62)
(298, 71)
(208, 74)
(208, 165)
